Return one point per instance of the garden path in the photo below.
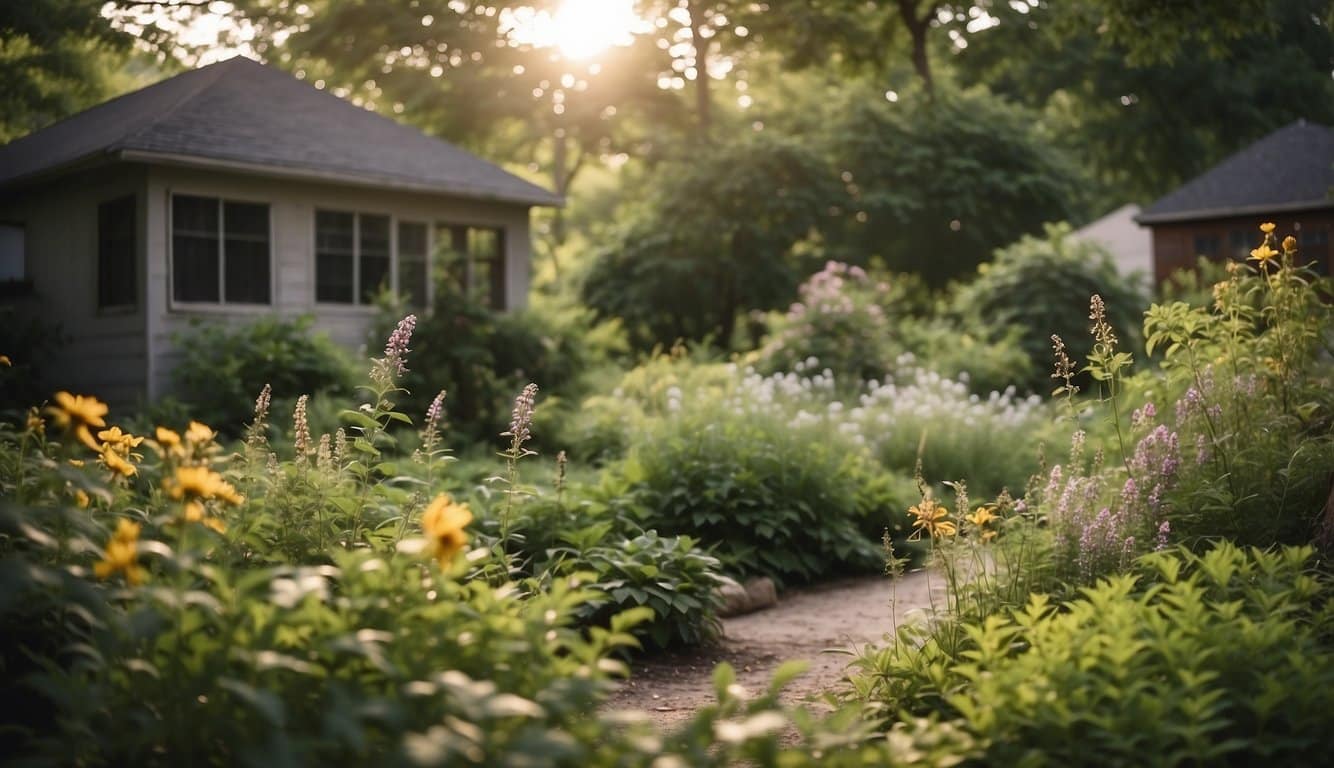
(804, 625)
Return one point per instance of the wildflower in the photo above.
(981, 518)
(301, 428)
(1263, 254)
(396, 349)
(1065, 367)
(36, 424)
(195, 513)
(121, 554)
(443, 523)
(435, 411)
(930, 517)
(77, 414)
(1164, 530)
(81, 498)
(521, 418)
(5, 361)
(1102, 330)
(262, 404)
(200, 483)
(112, 460)
(324, 454)
(167, 438)
(198, 434)
(120, 442)
(1267, 227)
(1289, 244)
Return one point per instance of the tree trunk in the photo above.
(917, 29)
(701, 46)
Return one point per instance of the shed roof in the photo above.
(1290, 169)
(241, 115)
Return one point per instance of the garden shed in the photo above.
(236, 191)
(1285, 177)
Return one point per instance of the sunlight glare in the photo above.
(581, 29)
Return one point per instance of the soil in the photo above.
(818, 624)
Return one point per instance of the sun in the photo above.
(580, 29)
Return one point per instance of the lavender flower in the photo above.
(435, 411)
(396, 349)
(301, 427)
(521, 418)
(1164, 529)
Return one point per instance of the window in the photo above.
(12, 267)
(116, 225)
(220, 251)
(412, 272)
(354, 258)
(1206, 245)
(474, 260)
(1239, 243)
(1313, 249)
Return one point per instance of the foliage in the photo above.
(770, 496)
(480, 357)
(1254, 66)
(714, 237)
(223, 366)
(28, 341)
(935, 184)
(1041, 286)
(1221, 656)
(839, 320)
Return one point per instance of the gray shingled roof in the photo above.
(1290, 169)
(242, 114)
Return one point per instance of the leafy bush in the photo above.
(1041, 286)
(768, 497)
(1222, 657)
(223, 367)
(28, 341)
(481, 357)
(838, 320)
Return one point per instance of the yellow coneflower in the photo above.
(1263, 254)
(115, 462)
(121, 555)
(199, 434)
(1289, 244)
(78, 414)
(932, 518)
(443, 523)
(1267, 227)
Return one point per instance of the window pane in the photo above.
(374, 256)
(246, 220)
(333, 256)
(194, 268)
(194, 215)
(1206, 245)
(11, 253)
(412, 263)
(411, 239)
(333, 277)
(116, 253)
(451, 256)
(247, 267)
(486, 249)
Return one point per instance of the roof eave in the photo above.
(540, 197)
(1232, 212)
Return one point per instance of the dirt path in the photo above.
(803, 625)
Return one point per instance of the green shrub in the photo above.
(224, 367)
(1041, 286)
(768, 497)
(1218, 658)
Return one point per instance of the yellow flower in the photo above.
(194, 513)
(81, 498)
(443, 523)
(199, 434)
(120, 442)
(116, 463)
(1263, 254)
(981, 518)
(5, 361)
(200, 483)
(1289, 244)
(36, 424)
(76, 414)
(166, 437)
(930, 517)
(121, 554)
(1267, 227)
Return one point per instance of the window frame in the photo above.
(24, 276)
(395, 257)
(221, 305)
